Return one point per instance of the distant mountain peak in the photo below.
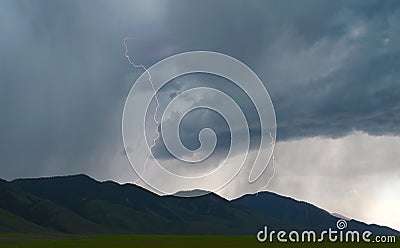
(191, 193)
(341, 216)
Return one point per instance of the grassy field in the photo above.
(117, 241)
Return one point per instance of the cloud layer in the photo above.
(331, 68)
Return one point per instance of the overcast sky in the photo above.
(331, 69)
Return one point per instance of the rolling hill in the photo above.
(82, 205)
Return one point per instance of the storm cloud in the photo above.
(331, 69)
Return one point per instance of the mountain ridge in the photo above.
(110, 207)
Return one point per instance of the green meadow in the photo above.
(119, 241)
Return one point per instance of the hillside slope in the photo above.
(80, 204)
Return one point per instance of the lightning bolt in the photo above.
(141, 66)
(157, 133)
(152, 86)
(273, 165)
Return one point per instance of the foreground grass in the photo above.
(117, 241)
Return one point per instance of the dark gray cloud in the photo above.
(361, 96)
(330, 68)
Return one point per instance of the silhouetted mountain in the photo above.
(131, 209)
(40, 214)
(79, 204)
(303, 214)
